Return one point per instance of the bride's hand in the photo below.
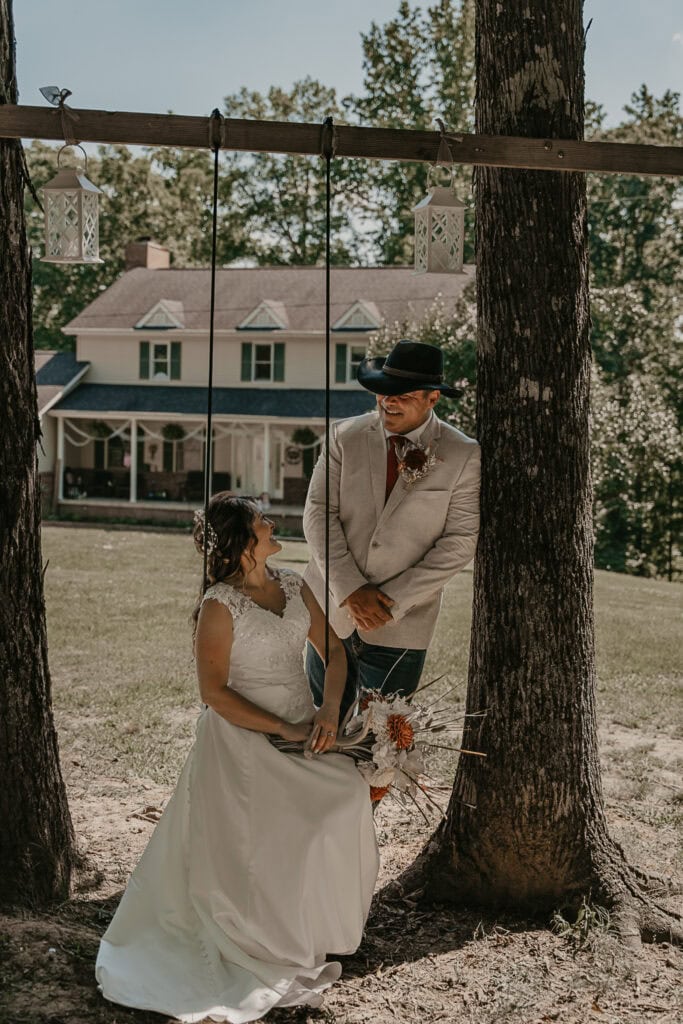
(295, 732)
(324, 731)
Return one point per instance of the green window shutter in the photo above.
(246, 360)
(175, 360)
(279, 360)
(144, 360)
(168, 456)
(340, 364)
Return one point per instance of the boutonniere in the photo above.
(415, 460)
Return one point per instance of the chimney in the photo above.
(146, 253)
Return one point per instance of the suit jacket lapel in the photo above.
(377, 453)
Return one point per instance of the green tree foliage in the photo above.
(636, 245)
(636, 239)
(280, 200)
(418, 66)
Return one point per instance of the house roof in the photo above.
(397, 292)
(58, 371)
(300, 403)
(55, 371)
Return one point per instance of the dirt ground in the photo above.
(414, 965)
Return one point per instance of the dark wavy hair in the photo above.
(232, 521)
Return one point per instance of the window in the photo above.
(160, 360)
(263, 361)
(347, 361)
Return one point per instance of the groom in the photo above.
(404, 519)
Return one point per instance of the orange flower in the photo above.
(368, 699)
(377, 792)
(400, 732)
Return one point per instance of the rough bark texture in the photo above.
(36, 837)
(537, 838)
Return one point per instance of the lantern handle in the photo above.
(444, 159)
(74, 145)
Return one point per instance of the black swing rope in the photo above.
(216, 122)
(328, 153)
(327, 150)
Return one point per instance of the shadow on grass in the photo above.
(47, 962)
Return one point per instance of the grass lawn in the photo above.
(125, 698)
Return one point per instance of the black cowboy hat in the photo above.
(410, 366)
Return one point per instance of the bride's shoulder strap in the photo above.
(290, 582)
(234, 601)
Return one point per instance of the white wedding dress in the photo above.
(262, 863)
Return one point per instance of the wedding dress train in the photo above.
(262, 863)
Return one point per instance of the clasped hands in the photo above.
(317, 736)
(369, 607)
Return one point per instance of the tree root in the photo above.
(628, 893)
(657, 885)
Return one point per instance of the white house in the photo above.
(123, 416)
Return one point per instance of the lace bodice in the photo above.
(266, 661)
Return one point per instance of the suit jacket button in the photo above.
(374, 544)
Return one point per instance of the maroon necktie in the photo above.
(392, 465)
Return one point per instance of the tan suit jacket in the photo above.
(410, 547)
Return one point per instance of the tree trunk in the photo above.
(537, 837)
(36, 838)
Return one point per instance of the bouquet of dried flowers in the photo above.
(392, 742)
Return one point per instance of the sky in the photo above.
(186, 55)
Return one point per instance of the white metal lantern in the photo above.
(439, 233)
(71, 218)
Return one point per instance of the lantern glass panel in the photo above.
(91, 241)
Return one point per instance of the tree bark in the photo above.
(36, 837)
(537, 837)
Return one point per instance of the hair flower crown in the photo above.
(208, 534)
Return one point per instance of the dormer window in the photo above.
(160, 360)
(167, 314)
(362, 316)
(268, 316)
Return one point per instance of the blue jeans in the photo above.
(369, 667)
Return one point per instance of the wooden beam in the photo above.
(23, 122)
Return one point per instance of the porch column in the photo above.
(60, 457)
(133, 482)
(266, 458)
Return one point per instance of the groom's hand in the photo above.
(369, 607)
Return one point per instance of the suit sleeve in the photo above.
(452, 551)
(345, 576)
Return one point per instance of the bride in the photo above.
(263, 862)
